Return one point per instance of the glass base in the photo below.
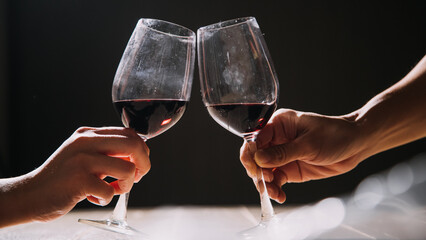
(261, 231)
(114, 226)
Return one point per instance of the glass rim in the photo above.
(144, 21)
(227, 23)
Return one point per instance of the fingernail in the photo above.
(102, 202)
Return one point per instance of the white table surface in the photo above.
(388, 205)
(213, 222)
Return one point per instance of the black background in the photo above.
(59, 58)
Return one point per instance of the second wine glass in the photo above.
(151, 89)
(239, 85)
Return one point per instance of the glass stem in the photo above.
(267, 211)
(120, 211)
(265, 202)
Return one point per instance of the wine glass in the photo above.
(150, 91)
(239, 85)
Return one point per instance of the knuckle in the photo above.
(131, 169)
(80, 162)
(125, 186)
(280, 177)
(109, 192)
(139, 143)
(81, 139)
(83, 129)
(80, 157)
(291, 113)
(280, 111)
(246, 162)
(146, 168)
(244, 159)
(285, 111)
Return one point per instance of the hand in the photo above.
(76, 171)
(298, 147)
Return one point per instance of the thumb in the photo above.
(278, 155)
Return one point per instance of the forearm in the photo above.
(397, 115)
(16, 206)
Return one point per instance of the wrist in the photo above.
(373, 127)
(363, 134)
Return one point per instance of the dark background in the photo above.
(58, 60)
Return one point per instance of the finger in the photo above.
(299, 171)
(281, 129)
(104, 130)
(113, 130)
(279, 155)
(138, 173)
(246, 157)
(104, 133)
(141, 160)
(265, 136)
(268, 175)
(98, 201)
(293, 172)
(280, 178)
(138, 153)
(119, 188)
(120, 131)
(127, 143)
(128, 132)
(98, 191)
(275, 192)
(122, 170)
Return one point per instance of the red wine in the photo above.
(242, 119)
(150, 117)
